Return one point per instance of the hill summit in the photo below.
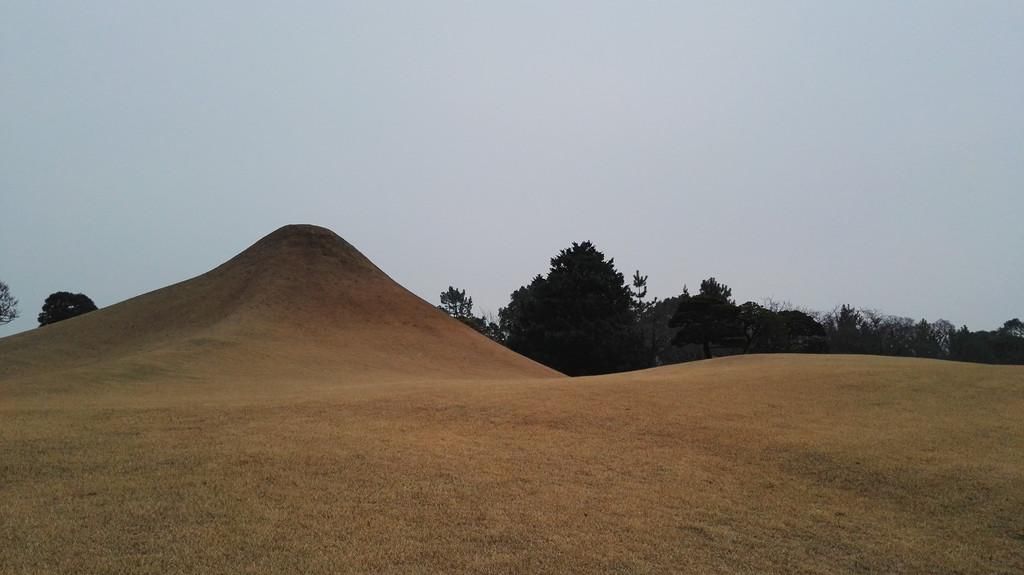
(299, 301)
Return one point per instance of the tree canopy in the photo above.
(63, 305)
(708, 318)
(456, 303)
(579, 319)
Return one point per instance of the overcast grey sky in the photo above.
(821, 152)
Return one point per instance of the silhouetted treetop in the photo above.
(707, 318)
(711, 287)
(456, 303)
(63, 305)
(579, 319)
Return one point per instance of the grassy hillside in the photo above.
(748, 464)
(298, 304)
(295, 410)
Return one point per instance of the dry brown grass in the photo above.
(153, 457)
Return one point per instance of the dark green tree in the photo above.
(456, 303)
(711, 287)
(579, 319)
(965, 345)
(1013, 327)
(638, 295)
(758, 325)
(63, 305)
(646, 319)
(925, 342)
(708, 318)
(803, 333)
(8, 305)
(774, 328)
(1008, 342)
(844, 328)
(665, 352)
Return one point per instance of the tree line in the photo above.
(584, 318)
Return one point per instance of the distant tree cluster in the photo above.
(1004, 345)
(852, 330)
(583, 318)
(712, 319)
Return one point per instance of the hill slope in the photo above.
(300, 301)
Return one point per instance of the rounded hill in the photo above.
(300, 301)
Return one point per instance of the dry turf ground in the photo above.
(764, 464)
(201, 448)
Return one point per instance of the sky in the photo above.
(860, 152)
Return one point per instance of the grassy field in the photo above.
(771, 464)
(295, 410)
